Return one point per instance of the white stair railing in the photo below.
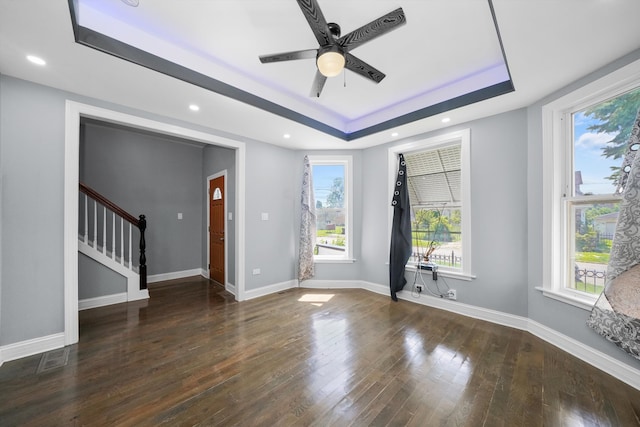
(102, 222)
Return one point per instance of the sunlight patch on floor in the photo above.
(316, 299)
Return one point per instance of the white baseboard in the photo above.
(175, 275)
(597, 359)
(231, 288)
(330, 284)
(85, 304)
(138, 294)
(30, 347)
(270, 289)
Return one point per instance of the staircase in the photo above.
(106, 234)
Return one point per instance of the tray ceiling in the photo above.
(443, 58)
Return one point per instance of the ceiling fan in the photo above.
(333, 53)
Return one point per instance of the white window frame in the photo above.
(347, 162)
(462, 137)
(557, 152)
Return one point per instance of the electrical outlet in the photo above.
(419, 288)
(451, 294)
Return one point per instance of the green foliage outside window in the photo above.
(616, 116)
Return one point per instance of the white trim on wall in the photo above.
(73, 112)
(133, 279)
(175, 275)
(87, 303)
(30, 347)
(270, 289)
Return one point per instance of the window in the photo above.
(585, 139)
(332, 192)
(438, 182)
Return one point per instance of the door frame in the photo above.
(73, 112)
(223, 174)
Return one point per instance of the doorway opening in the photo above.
(73, 113)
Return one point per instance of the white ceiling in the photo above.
(441, 51)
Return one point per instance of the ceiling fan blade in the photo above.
(315, 18)
(373, 29)
(358, 66)
(289, 56)
(318, 84)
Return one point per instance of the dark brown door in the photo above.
(216, 229)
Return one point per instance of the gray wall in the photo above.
(96, 280)
(32, 167)
(214, 160)
(498, 207)
(152, 175)
(270, 188)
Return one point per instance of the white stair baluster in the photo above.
(113, 236)
(104, 230)
(95, 224)
(86, 219)
(121, 241)
(130, 264)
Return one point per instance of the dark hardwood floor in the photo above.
(194, 356)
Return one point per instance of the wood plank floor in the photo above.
(192, 355)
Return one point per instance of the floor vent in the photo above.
(53, 359)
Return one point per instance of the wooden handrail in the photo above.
(109, 204)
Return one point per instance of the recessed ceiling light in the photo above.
(286, 136)
(36, 60)
(446, 120)
(194, 107)
(394, 134)
(133, 3)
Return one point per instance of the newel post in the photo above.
(142, 225)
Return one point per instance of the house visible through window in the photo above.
(438, 184)
(600, 135)
(332, 192)
(586, 134)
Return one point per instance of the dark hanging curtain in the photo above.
(400, 231)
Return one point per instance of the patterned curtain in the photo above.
(616, 314)
(400, 231)
(306, 267)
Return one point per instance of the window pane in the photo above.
(435, 192)
(437, 236)
(600, 136)
(593, 229)
(328, 188)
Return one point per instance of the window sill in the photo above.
(573, 298)
(334, 260)
(445, 273)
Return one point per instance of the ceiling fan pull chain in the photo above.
(344, 74)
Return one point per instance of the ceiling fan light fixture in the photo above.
(330, 62)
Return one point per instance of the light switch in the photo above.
(230, 216)
(265, 216)
(179, 215)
